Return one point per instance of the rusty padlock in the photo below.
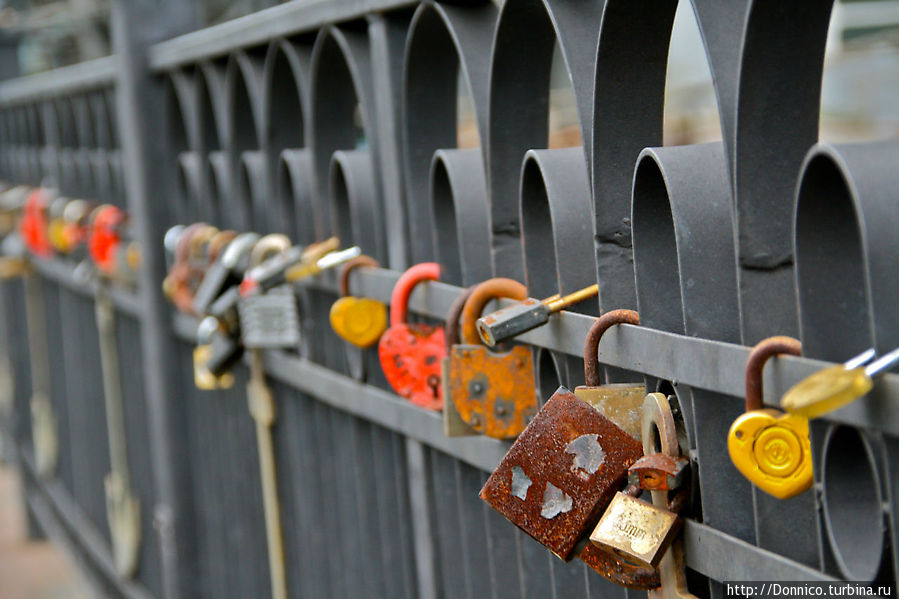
(358, 320)
(411, 353)
(641, 535)
(184, 277)
(619, 402)
(561, 472)
(453, 425)
(769, 447)
(493, 392)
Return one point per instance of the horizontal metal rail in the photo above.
(390, 411)
(61, 517)
(58, 271)
(90, 74)
(261, 28)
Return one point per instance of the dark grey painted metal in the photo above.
(519, 92)
(140, 113)
(458, 197)
(686, 283)
(628, 102)
(843, 210)
(446, 45)
(250, 100)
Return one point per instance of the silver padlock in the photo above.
(270, 320)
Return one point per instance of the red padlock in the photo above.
(411, 354)
(104, 239)
(34, 223)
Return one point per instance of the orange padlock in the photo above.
(411, 353)
(492, 391)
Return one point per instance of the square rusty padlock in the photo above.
(561, 472)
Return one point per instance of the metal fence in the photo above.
(313, 118)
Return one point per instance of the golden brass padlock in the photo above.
(619, 402)
(771, 448)
(358, 320)
(636, 530)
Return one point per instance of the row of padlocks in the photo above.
(311, 164)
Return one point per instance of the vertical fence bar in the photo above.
(136, 24)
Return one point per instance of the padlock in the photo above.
(411, 353)
(561, 473)
(358, 320)
(769, 447)
(274, 270)
(658, 472)
(75, 229)
(56, 225)
(34, 223)
(453, 425)
(224, 351)
(12, 200)
(224, 272)
(203, 377)
(106, 225)
(527, 314)
(492, 392)
(642, 533)
(834, 387)
(183, 278)
(619, 402)
(269, 317)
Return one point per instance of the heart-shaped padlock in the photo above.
(358, 320)
(768, 447)
(411, 354)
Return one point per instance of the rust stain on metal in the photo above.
(658, 472)
(541, 454)
(622, 573)
(493, 393)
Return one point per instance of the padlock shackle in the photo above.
(453, 317)
(351, 265)
(482, 294)
(755, 365)
(267, 246)
(594, 336)
(399, 299)
(219, 242)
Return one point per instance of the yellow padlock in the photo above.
(769, 447)
(358, 320)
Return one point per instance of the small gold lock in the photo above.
(635, 530)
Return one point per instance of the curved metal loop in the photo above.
(268, 246)
(483, 293)
(846, 247)
(350, 266)
(399, 299)
(459, 205)
(594, 336)
(445, 45)
(453, 317)
(557, 234)
(755, 364)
